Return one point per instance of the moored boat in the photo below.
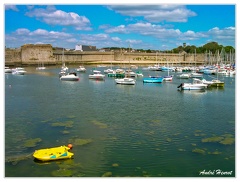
(69, 77)
(8, 70)
(217, 83)
(196, 75)
(55, 153)
(97, 75)
(125, 81)
(183, 76)
(81, 69)
(153, 79)
(19, 71)
(168, 78)
(196, 85)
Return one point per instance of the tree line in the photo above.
(212, 47)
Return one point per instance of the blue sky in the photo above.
(145, 26)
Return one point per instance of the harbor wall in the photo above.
(35, 54)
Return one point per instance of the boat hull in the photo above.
(50, 154)
(189, 86)
(153, 80)
(125, 81)
(70, 77)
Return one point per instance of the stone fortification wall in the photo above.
(37, 54)
(13, 56)
(31, 54)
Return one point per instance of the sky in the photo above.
(153, 26)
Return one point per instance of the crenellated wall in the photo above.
(31, 54)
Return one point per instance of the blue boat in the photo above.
(153, 79)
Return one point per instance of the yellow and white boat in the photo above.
(55, 153)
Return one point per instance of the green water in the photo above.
(138, 131)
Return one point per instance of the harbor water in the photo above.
(142, 130)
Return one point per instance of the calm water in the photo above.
(142, 130)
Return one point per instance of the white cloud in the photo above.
(118, 29)
(155, 13)
(131, 41)
(22, 31)
(52, 16)
(25, 36)
(227, 33)
(117, 39)
(11, 7)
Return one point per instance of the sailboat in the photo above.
(217, 82)
(168, 77)
(41, 66)
(64, 67)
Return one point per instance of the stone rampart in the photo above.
(34, 54)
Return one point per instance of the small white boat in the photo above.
(97, 75)
(69, 77)
(196, 75)
(208, 83)
(130, 73)
(125, 81)
(18, 71)
(81, 69)
(196, 85)
(108, 71)
(41, 68)
(139, 74)
(183, 76)
(168, 78)
(8, 70)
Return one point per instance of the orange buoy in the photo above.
(70, 146)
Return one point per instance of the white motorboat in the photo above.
(130, 73)
(196, 85)
(69, 77)
(208, 83)
(97, 75)
(108, 71)
(18, 71)
(81, 69)
(196, 75)
(8, 70)
(183, 76)
(125, 81)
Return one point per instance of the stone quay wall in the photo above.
(35, 54)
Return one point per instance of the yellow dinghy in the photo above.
(55, 153)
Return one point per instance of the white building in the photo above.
(79, 47)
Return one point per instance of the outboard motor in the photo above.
(180, 85)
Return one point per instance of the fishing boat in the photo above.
(195, 85)
(55, 153)
(69, 77)
(125, 81)
(153, 79)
